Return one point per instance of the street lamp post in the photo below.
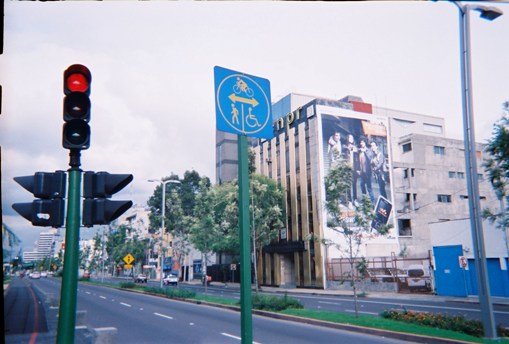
(488, 13)
(163, 213)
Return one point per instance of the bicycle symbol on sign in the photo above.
(241, 86)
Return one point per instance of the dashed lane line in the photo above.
(164, 316)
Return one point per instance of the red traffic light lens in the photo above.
(77, 82)
(77, 78)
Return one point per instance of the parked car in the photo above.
(417, 278)
(44, 274)
(86, 275)
(35, 275)
(170, 280)
(141, 278)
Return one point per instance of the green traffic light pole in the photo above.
(68, 293)
(246, 319)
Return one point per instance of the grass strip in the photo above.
(386, 324)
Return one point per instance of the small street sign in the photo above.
(243, 104)
(463, 262)
(128, 259)
(233, 267)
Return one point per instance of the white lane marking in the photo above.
(353, 311)
(103, 297)
(163, 316)
(87, 292)
(410, 305)
(330, 303)
(125, 304)
(235, 337)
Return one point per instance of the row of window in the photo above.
(442, 198)
(410, 172)
(461, 175)
(438, 150)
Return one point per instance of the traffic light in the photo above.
(76, 132)
(97, 188)
(48, 209)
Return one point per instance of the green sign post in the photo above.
(243, 107)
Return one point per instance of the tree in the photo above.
(155, 202)
(353, 227)
(497, 168)
(118, 246)
(177, 227)
(96, 254)
(267, 214)
(180, 203)
(203, 224)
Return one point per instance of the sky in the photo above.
(152, 67)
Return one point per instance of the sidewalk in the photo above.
(496, 300)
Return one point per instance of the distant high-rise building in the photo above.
(45, 247)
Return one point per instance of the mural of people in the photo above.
(351, 153)
(365, 170)
(378, 162)
(334, 149)
(350, 139)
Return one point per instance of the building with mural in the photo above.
(402, 161)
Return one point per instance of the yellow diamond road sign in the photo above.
(128, 259)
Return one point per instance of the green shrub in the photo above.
(275, 303)
(127, 285)
(177, 293)
(172, 293)
(456, 323)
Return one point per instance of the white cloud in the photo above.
(152, 66)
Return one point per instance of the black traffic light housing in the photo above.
(48, 209)
(76, 112)
(97, 188)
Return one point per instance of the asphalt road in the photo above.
(143, 318)
(23, 310)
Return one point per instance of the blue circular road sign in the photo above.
(243, 104)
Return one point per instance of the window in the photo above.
(479, 177)
(406, 173)
(403, 122)
(444, 198)
(439, 150)
(404, 227)
(407, 147)
(461, 175)
(432, 128)
(410, 196)
(452, 174)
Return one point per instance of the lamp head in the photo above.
(488, 12)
